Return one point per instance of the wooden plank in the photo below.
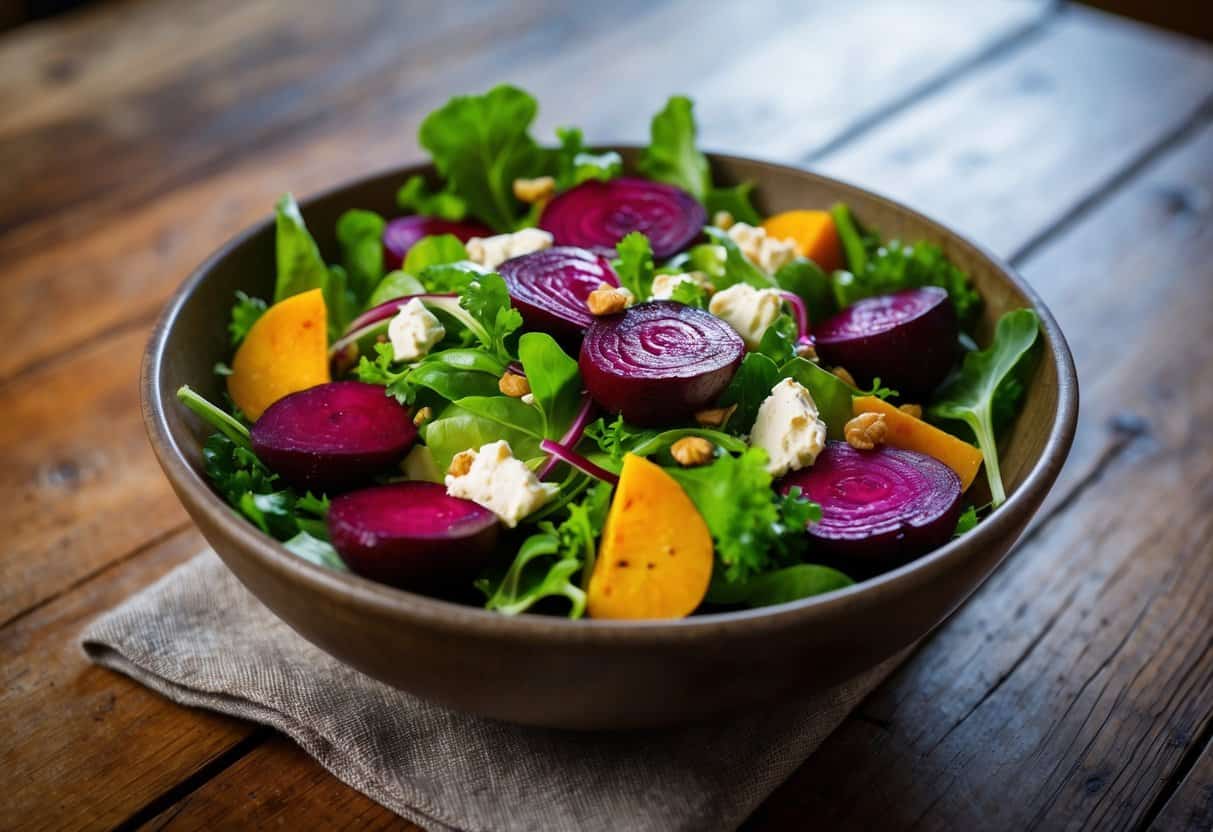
(278, 785)
(1081, 674)
(1190, 809)
(1009, 150)
(179, 190)
(83, 747)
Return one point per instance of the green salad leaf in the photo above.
(480, 144)
(755, 529)
(690, 294)
(970, 395)
(300, 266)
(634, 265)
(671, 155)
(415, 197)
(382, 370)
(779, 586)
(779, 341)
(876, 268)
(488, 301)
(751, 384)
(456, 429)
(434, 250)
(316, 550)
(360, 234)
(805, 279)
(555, 381)
(966, 522)
(396, 284)
(735, 200)
(614, 438)
(575, 164)
(737, 267)
(245, 312)
(831, 394)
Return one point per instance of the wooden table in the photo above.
(1074, 690)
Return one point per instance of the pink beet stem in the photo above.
(801, 314)
(578, 461)
(571, 436)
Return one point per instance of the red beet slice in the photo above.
(411, 534)
(550, 287)
(884, 505)
(659, 362)
(597, 215)
(400, 234)
(907, 338)
(333, 436)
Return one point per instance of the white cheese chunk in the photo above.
(789, 428)
(414, 331)
(491, 252)
(766, 252)
(665, 284)
(500, 483)
(747, 310)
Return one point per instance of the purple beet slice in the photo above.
(550, 287)
(659, 362)
(882, 506)
(333, 436)
(411, 534)
(400, 234)
(907, 338)
(596, 215)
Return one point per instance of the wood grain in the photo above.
(1082, 672)
(1190, 809)
(84, 747)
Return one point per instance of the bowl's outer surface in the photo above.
(597, 674)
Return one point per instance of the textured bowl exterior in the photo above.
(601, 674)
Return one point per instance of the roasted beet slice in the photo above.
(659, 362)
(333, 436)
(881, 506)
(411, 534)
(402, 232)
(907, 338)
(597, 215)
(550, 287)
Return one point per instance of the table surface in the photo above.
(1075, 689)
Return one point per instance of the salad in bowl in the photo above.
(550, 387)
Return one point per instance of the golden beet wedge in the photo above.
(813, 233)
(285, 351)
(655, 559)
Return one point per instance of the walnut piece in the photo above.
(608, 300)
(423, 415)
(514, 385)
(914, 410)
(807, 351)
(462, 463)
(723, 220)
(714, 417)
(844, 375)
(530, 191)
(692, 450)
(866, 431)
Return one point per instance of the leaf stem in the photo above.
(214, 416)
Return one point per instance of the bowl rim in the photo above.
(358, 593)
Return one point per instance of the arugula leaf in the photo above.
(879, 391)
(434, 250)
(555, 381)
(300, 266)
(488, 301)
(737, 267)
(547, 561)
(245, 312)
(394, 285)
(360, 234)
(779, 586)
(735, 200)
(966, 522)
(970, 395)
(877, 269)
(690, 293)
(480, 144)
(805, 279)
(574, 164)
(634, 265)
(416, 197)
(671, 155)
(754, 528)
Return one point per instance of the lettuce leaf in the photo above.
(634, 265)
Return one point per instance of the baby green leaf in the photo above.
(416, 197)
(360, 234)
(634, 265)
(671, 155)
(245, 312)
(737, 268)
(300, 266)
(779, 586)
(394, 285)
(555, 381)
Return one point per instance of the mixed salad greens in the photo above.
(582, 390)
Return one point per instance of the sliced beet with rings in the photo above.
(596, 215)
(883, 506)
(659, 362)
(333, 436)
(550, 287)
(401, 233)
(907, 339)
(411, 534)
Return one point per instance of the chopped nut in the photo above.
(514, 385)
(914, 410)
(423, 415)
(609, 300)
(531, 191)
(692, 450)
(462, 463)
(722, 219)
(714, 417)
(844, 375)
(807, 351)
(866, 431)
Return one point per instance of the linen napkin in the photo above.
(200, 638)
